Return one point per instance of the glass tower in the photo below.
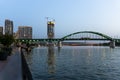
(50, 29)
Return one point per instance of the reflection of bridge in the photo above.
(83, 35)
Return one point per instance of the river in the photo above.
(75, 63)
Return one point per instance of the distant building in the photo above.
(1, 30)
(50, 29)
(8, 27)
(24, 32)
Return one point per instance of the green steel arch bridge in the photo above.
(77, 36)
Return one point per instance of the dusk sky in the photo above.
(70, 15)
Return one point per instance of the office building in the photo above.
(50, 29)
(24, 32)
(8, 27)
(1, 30)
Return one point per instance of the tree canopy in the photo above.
(6, 39)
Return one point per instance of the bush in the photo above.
(8, 50)
(3, 55)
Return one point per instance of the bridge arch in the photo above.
(92, 32)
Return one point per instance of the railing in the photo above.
(25, 69)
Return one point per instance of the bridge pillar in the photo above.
(112, 44)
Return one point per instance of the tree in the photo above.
(6, 40)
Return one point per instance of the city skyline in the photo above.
(70, 16)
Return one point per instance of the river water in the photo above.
(75, 63)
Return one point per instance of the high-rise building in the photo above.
(24, 32)
(50, 29)
(1, 30)
(8, 27)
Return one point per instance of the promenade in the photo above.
(11, 69)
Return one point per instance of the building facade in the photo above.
(24, 32)
(50, 29)
(1, 30)
(8, 27)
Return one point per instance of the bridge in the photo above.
(77, 36)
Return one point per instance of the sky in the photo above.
(70, 15)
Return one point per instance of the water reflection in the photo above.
(75, 63)
(59, 48)
(51, 59)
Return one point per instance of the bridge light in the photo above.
(45, 40)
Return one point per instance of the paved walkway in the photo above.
(11, 69)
